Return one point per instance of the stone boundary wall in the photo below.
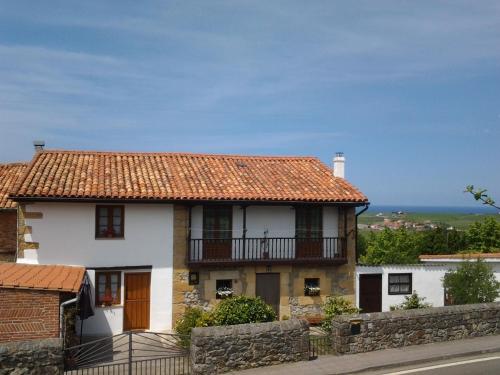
(37, 357)
(227, 348)
(413, 327)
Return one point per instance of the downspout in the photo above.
(367, 205)
(61, 315)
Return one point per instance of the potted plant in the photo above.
(224, 292)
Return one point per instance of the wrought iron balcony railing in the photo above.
(283, 250)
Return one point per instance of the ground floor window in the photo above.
(224, 288)
(108, 288)
(400, 283)
(311, 287)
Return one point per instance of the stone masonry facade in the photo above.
(334, 280)
(36, 357)
(229, 348)
(28, 314)
(8, 235)
(413, 327)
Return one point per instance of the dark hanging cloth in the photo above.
(85, 299)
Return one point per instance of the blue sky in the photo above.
(410, 91)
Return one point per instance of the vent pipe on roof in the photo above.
(338, 164)
(39, 145)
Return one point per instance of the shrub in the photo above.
(336, 305)
(412, 302)
(188, 321)
(471, 282)
(242, 309)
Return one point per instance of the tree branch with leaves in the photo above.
(480, 195)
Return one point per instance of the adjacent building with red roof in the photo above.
(158, 232)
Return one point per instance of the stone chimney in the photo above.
(338, 164)
(39, 145)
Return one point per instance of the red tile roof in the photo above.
(42, 277)
(460, 256)
(182, 176)
(9, 174)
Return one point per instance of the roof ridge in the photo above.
(178, 153)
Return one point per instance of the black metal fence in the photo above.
(320, 345)
(130, 353)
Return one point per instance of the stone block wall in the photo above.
(229, 348)
(28, 314)
(413, 327)
(8, 235)
(36, 357)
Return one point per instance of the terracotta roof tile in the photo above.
(9, 174)
(42, 277)
(460, 256)
(182, 176)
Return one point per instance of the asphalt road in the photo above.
(487, 364)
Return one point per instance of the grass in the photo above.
(458, 221)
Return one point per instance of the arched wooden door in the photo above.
(137, 301)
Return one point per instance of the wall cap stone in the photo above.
(250, 328)
(431, 311)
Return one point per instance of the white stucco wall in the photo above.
(264, 221)
(66, 235)
(426, 281)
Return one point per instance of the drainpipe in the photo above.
(61, 314)
(356, 230)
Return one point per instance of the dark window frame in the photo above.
(312, 280)
(220, 281)
(107, 289)
(409, 283)
(304, 215)
(110, 229)
(216, 232)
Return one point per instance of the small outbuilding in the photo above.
(31, 297)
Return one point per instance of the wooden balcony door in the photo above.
(137, 301)
(309, 232)
(217, 232)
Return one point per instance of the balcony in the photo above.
(267, 251)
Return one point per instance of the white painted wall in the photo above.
(264, 221)
(66, 235)
(426, 281)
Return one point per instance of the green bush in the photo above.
(472, 282)
(188, 321)
(242, 309)
(412, 302)
(336, 305)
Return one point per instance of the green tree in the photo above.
(392, 247)
(484, 235)
(442, 241)
(361, 244)
(472, 282)
(336, 305)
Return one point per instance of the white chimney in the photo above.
(338, 164)
(39, 145)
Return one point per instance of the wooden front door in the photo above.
(267, 287)
(217, 232)
(136, 311)
(370, 293)
(309, 232)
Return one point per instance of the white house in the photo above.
(161, 231)
(380, 287)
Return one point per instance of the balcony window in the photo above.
(309, 231)
(217, 232)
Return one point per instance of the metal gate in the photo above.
(130, 353)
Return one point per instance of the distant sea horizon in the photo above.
(433, 209)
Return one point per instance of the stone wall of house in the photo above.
(28, 314)
(36, 357)
(228, 348)
(413, 327)
(8, 235)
